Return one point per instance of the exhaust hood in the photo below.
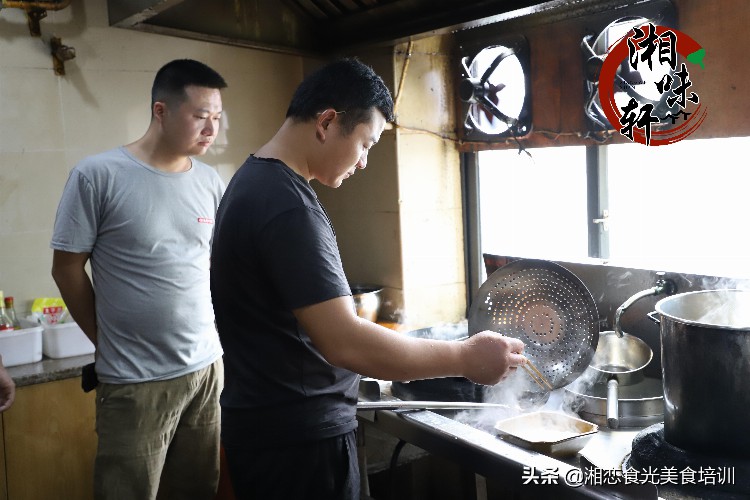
(311, 27)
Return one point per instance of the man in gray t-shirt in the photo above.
(142, 215)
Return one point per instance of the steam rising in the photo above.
(520, 396)
(450, 331)
(727, 304)
(723, 308)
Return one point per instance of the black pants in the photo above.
(317, 470)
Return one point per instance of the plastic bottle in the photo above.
(6, 324)
(11, 311)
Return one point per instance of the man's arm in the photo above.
(369, 349)
(7, 388)
(69, 273)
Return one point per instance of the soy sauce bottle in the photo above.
(11, 311)
(6, 324)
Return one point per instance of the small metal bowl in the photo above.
(366, 300)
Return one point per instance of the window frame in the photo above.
(597, 193)
(596, 198)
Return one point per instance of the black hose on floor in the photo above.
(394, 463)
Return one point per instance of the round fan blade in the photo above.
(492, 108)
(492, 67)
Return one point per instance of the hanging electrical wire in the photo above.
(400, 89)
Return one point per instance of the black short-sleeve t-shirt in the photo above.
(274, 250)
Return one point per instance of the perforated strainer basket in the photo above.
(546, 307)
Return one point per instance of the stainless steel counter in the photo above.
(512, 467)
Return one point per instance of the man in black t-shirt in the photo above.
(293, 343)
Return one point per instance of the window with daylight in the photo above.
(533, 205)
(679, 208)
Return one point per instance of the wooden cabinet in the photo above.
(50, 442)
(3, 482)
(49, 437)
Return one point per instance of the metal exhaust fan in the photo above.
(628, 83)
(495, 90)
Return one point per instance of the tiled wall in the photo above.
(50, 122)
(398, 222)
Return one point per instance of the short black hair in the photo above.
(173, 77)
(345, 85)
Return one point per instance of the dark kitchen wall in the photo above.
(720, 26)
(399, 223)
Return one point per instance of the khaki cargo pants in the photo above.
(159, 436)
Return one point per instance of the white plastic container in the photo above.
(20, 347)
(65, 340)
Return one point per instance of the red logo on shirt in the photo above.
(205, 220)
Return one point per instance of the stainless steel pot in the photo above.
(618, 361)
(620, 358)
(366, 300)
(705, 355)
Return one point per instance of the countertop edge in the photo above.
(49, 370)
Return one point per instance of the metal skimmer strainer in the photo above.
(546, 307)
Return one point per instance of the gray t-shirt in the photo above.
(149, 234)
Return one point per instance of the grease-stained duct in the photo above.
(35, 11)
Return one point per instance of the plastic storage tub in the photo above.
(20, 347)
(65, 340)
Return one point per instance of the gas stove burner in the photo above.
(640, 404)
(724, 478)
(463, 390)
(439, 389)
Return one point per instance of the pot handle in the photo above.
(613, 409)
(653, 317)
(663, 285)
